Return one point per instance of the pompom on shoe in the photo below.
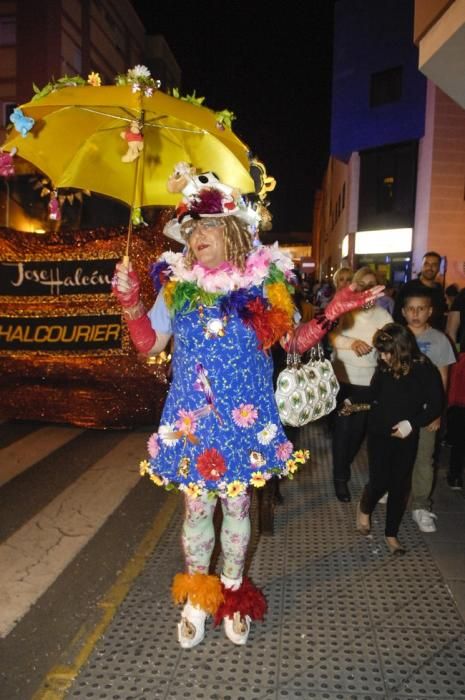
(243, 602)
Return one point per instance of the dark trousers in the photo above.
(456, 438)
(348, 433)
(390, 463)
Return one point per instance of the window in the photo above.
(7, 31)
(7, 109)
(386, 87)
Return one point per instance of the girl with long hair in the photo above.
(406, 393)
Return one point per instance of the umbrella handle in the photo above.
(126, 261)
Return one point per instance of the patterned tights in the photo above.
(198, 533)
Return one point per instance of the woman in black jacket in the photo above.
(406, 393)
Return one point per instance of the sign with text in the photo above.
(56, 277)
(99, 332)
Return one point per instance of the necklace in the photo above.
(214, 327)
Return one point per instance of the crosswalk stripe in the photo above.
(23, 453)
(35, 555)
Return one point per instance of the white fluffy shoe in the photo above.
(191, 629)
(237, 628)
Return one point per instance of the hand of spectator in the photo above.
(360, 348)
(402, 429)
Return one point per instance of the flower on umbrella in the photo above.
(266, 435)
(140, 79)
(245, 415)
(94, 79)
(211, 464)
(137, 72)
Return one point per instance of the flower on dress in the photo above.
(165, 434)
(157, 480)
(266, 435)
(211, 464)
(301, 456)
(186, 422)
(292, 466)
(153, 445)
(193, 490)
(144, 467)
(245, 415)
(284, 450)
(183, 466)
(256, 459)
(257, 479)
(235, 488)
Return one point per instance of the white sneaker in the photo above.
(425, 520)
(383, 499)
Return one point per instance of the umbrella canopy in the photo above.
(78, 140)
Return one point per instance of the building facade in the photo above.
(394, 184)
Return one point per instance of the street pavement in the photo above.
(88, 551)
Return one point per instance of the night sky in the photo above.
(273, 70)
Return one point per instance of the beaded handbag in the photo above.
(306, 392)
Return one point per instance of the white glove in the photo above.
(403, 427)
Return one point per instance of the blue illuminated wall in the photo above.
(371, 37)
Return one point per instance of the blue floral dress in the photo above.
(220, 430)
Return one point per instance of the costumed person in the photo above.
(354, 361)
(226, 300)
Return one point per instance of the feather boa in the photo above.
(262, 263)
(247, 600)
(236, 291)
(202, 590)
(269, 324)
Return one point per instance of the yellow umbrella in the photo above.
(77, 142)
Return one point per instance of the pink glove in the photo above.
(306, 336)
(143, 336)
(349, 298)
(310, 334)
(126, 286)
